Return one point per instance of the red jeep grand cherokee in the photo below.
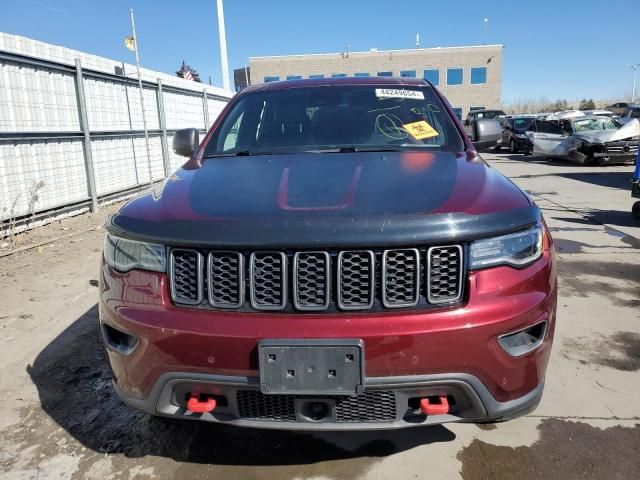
(333, 255)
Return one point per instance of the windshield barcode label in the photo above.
(398, 93)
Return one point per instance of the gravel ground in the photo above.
(59, 417)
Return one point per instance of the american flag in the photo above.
(186, 73)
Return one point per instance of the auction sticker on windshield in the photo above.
(399, 93)
(420, 130)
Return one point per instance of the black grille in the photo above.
(268, 280)
(186, 275)
(225, 280)
(445, 274)
(401, 278)
(373, 406)
(311, 280)
(253, 404)
(317, 280)
(356, 276)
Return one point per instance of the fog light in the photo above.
(118, 340)
(523, 341)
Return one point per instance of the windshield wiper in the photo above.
(240, 153)
(353, 148)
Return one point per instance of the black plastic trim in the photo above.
(328, 232)
(484, 406)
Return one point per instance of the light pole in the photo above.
(633, 90)
(223, 47)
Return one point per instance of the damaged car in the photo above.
(588, 140)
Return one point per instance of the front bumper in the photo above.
(410, 353)
(522, 143)
(388, 402)
(618, 152)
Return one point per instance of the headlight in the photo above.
(516, 249)
(125, 255)
(520, 135)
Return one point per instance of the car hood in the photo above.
(628, 130)
(362, 198)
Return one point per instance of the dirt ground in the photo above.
(59, 416)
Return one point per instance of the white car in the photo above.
(588, 140)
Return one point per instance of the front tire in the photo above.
(635, 210)
(512, 146)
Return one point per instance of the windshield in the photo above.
(522, 123)
(308, 119)
(493, 114)
(591, 124)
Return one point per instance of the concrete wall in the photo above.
(462, 96)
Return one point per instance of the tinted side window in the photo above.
(548, 127)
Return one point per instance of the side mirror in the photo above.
(186, 141)
(486, 133)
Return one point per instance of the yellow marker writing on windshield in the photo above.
(420, 130)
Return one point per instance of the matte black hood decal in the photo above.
(331, 199)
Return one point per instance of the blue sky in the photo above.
(558, 49)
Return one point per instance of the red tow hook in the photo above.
(434, 408)
(196, 406)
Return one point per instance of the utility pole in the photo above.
(635, 68)
(223, 47)
(144, 115)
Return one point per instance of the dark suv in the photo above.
(514, 134)
(333, 255)
(620, 107)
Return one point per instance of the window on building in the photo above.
(271, 79)
(361, 74)
(458, 112)
(433, 76)
(408, 73)
(339, 75)
(478, 75)
(294, 77)
(454, 76)
(473, 109)
(385, 74)
(316, 76)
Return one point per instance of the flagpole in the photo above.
(144, 115)
(223, 47)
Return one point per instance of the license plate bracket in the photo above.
(311, 367)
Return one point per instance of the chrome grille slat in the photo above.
(268, 280)
(444, 274)
(185, 272)
(356, 279)
(311, 280)
(225, 279)
(401, 278)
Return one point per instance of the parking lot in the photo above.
(59, 417)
